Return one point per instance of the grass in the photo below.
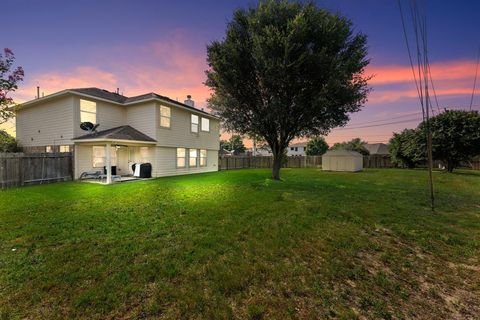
(238, 245)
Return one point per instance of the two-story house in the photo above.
(175, 138)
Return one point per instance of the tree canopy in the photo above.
(404, 150)
(8, 143)
(316, 147)
(234, 144)
(455, 138)
(287, 70)
(8, 83)
(355, 144)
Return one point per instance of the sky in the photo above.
(160, 46)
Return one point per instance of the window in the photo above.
(88, 111)
(99, 157)
(203, 158)
(165, 117)
(48, 149)
(181, 157)
(192, 159)
(296, 148)
(64, 148)
(292, 148)
(194, 126)
(205, 124)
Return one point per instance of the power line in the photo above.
(475, 79)
(382, 124)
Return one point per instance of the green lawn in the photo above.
(237, 245)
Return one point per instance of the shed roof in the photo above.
(342, 153)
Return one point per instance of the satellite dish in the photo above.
(88, 126)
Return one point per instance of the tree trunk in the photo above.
(277, 164)
(450, 166)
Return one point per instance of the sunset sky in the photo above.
(143, 46)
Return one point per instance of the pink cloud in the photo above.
(166, 67)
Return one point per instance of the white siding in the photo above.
(47, 124)
(179, 134)
(143, 117)
(109, 115)
(165, 164)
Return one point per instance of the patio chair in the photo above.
(90, 175)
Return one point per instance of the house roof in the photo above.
(119, 133)
(298, 144)
(376, 148)
(342, 153)
(116, 98)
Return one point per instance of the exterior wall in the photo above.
(300, 150)
(83, 160)
(342, 163)
(109, 115)
(143, 117)
(48, 124)
(179, 134)
(166, 163)
(163, 160)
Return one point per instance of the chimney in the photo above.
(189, 101)
(118, 90)
(38, 92)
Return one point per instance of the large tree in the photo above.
(355, 144)
(455, 137)
(404, 148)
(8, 83)
(287, 70)
(316, 146)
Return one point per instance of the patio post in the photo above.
(108, 160)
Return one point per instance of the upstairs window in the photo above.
(192, 159)
(203, 158)
(205, 125)
(64, 148)
(88, 111)
(194, 123)
(181, 157)
(48, 149)
(165, 117)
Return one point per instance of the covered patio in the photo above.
(112, 155)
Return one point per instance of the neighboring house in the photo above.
(377, 148)
(297, 149)
(176, 138)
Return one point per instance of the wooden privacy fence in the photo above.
(20, 169)
(243, 162)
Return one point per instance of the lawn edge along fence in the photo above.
(22, 169)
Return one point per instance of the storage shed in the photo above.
(342, 160)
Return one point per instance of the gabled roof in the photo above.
(118, 133)
(116, 98)
(342, 153)
(100, 93)
(376, 148)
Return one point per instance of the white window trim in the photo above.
(169, 117)
(89, 112)
(200, 157)
(196, 158)
(177, 157)
(192, 123)
(202, 118)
